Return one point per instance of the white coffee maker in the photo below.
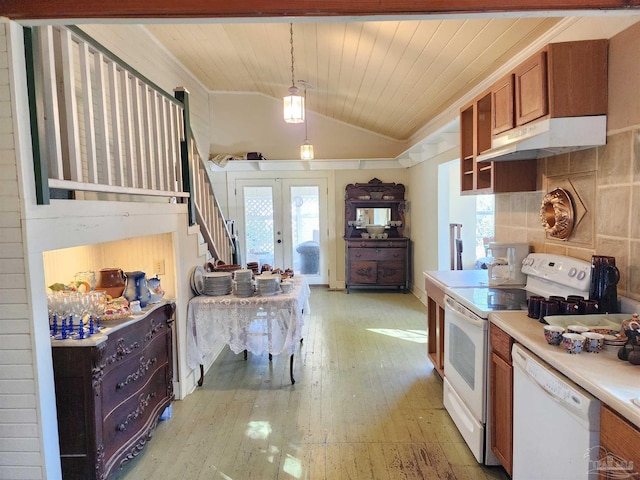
(505, 264)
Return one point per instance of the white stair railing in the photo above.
(106, 127)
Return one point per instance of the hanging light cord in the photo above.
(307, 120)
(293, 82)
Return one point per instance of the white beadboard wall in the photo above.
(20, 444)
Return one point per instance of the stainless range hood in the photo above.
(546, 138)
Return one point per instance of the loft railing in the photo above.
(100, 127)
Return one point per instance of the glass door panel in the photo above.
(259, 224)
(305, 229)
(281, 224)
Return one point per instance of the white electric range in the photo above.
(466, 354)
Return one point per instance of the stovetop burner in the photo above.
(488, 299)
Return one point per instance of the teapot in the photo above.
(136, 288)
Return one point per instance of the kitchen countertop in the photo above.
(458, 278)
(612, 381)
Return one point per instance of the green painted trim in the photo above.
(107, 53)
(186, 154)
(40, 167)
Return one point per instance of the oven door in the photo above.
(465, 356)
(465, 368)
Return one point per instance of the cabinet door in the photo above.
(390, 273)
(531, 89)
(619, 440)
(363, 272)
(502, 103)
(501, 398)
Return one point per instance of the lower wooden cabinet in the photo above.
(435, 325)
(110, 393)
(501, 397)
(383, 263)
(619, 447)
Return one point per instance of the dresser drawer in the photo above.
(130, 341)
(137, 413)
(377, 254)
(121, 383)
(377, 244)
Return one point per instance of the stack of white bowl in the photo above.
(243, 285)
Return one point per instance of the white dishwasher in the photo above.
(556, 424)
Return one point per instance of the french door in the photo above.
(282, 223)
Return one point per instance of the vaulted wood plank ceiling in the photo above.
(390, 77)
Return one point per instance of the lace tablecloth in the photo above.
(271, 324)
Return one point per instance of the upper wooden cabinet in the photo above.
(566, 79)
(502, 105)
(531, 99)
(476, 125)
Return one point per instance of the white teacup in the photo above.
(286, 286)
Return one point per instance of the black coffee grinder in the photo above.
(604, 283)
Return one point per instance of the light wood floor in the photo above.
(366, 405)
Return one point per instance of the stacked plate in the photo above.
(243, 289)
(243, 275)
(217, 283)
(268, 284)
(243, 286)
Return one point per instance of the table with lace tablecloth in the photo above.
(258, 324)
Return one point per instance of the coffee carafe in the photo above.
(505, 265)
(604, 283)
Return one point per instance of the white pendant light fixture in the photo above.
(293, 103)
(306, 149)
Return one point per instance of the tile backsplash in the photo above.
(605, 185)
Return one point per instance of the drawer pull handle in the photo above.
(143, 368)
(357, 255)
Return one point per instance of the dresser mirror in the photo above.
(372, 216)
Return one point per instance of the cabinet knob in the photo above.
(120, 386)
(357, 255)
(121, 428)
(377, 250)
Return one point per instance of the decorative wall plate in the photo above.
(557, 213)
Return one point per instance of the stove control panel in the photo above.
(558, 269)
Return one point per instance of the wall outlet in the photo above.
(158, 267)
